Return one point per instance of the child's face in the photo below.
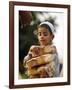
(44, 36)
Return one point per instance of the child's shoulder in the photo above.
(53, 46)
(50, 48)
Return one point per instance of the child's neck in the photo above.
(47, 44)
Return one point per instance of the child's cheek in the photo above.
(39, 38)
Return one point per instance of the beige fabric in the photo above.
(43, 62)
(40, 60)
(36, 51)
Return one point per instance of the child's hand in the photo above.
(42, 72)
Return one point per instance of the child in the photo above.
(45, 37)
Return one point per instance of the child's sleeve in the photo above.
(53, 67)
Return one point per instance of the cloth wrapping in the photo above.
(40, 60)
(44, 63)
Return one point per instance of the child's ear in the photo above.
(52, 36)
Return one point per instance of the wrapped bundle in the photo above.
(37, 71)
(40, 60)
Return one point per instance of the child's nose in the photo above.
(42, 37)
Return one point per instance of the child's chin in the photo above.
(43, 44)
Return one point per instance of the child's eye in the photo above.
(45, 33)
(39, 33)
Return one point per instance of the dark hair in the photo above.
(46, 26)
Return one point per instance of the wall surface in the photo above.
(4, 45)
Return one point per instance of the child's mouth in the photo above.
(42, 40)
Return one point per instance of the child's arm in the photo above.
(53, 67)
(50, 69)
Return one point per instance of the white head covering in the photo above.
(49, 24)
